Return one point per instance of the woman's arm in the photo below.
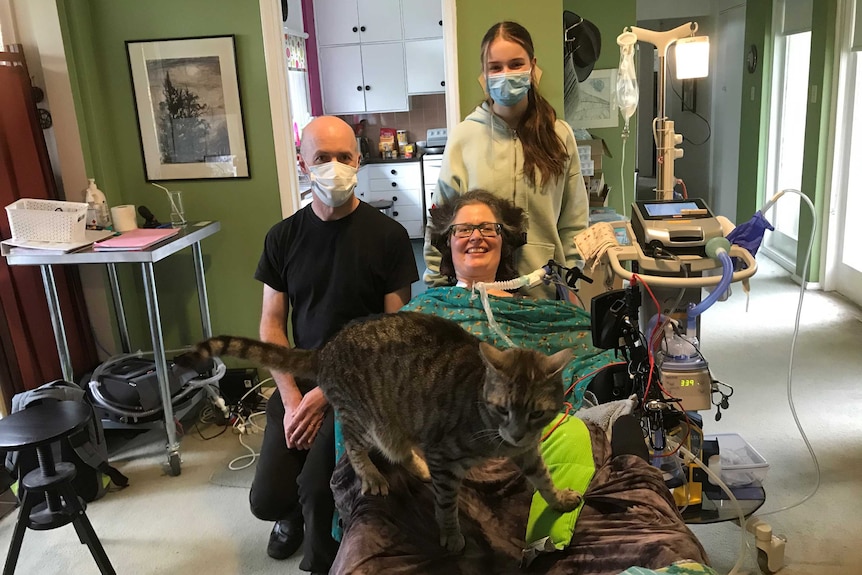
(574, 209)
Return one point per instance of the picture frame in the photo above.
(188, 108)
(597, 107)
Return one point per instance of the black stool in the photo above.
(49, 500)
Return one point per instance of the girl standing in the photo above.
(514, 146)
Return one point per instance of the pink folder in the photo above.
(139, 239)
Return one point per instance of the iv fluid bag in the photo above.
(627, 83)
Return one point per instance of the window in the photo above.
(787, 142)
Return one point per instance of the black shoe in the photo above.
(285, 539)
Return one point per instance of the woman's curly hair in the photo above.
(508, 214)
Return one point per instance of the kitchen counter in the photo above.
(390, 160)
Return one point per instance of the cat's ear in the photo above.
(557, 362)
(492, 356)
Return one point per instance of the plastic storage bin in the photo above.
(47, 220)
(741, 464)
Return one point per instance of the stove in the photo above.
(432, 160)
(436, 137)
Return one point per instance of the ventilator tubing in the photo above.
(716, 248)
(529, 280)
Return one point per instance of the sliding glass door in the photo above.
(787, 143)
(844, 243)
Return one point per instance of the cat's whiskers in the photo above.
(485, 434)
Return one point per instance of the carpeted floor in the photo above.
(751, 351)
(199, 522)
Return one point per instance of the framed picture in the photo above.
(188, 108)
(596, 107)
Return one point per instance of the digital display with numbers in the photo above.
(687, 382)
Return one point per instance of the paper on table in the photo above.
(33, 247)
(139, 239)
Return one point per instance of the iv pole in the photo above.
(663, 133)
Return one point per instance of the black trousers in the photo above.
(287, 480)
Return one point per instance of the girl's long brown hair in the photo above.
(544, 151)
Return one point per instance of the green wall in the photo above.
(544, 20)
(94, 33)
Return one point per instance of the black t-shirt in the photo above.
(335, 271)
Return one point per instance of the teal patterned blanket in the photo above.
(544, 325)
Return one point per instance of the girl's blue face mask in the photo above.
(508, 89)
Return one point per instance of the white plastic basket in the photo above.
(741, 464)
(47, 220)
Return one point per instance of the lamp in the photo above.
(692, 56)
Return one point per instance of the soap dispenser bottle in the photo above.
(98, 214)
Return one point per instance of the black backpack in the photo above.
(86, 449)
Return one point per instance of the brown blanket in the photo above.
(629, 518)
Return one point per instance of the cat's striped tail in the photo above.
(299, 362)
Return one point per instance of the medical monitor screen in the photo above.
(669, 209)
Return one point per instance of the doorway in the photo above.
(791, 61)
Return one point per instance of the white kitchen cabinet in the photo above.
(385, 77)
(293, 18)
(398, 182)
(422, 19)
(426, 73)
(353, 21)
(363, 78)
(378, 20)
(336, 22)
(341, 81)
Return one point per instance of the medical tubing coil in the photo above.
(192, 386)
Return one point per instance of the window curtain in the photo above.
(28, 352)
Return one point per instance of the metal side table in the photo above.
(191, 236)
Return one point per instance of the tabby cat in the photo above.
(405, 380)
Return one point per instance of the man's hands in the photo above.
(303, 416)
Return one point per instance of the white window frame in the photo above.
(848, 66)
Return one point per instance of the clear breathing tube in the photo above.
(716, 480)
(796, 324)
(529, 280)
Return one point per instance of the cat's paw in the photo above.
(417, 467)
(453, 542)
(375, 484)
(566, 500)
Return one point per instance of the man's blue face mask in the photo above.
(509, 88)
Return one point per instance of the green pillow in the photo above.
(568, 453)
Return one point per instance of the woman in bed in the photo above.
(629, 518)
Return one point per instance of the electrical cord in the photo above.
(705, 121)
(793, 342)
(246, 424)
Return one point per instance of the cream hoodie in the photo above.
(483, 152)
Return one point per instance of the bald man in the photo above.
(333, 261)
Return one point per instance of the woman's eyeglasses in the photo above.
(486, 229)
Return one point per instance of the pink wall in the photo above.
(311, 58)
